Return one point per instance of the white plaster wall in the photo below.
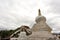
(13, 38)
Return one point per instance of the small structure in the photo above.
(23, 32)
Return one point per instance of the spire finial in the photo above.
(39, 12)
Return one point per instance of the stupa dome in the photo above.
(40, 18)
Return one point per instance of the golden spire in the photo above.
(39, 12)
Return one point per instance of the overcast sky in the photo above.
(14, 13)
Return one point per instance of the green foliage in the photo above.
(6, 33)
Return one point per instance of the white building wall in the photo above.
(13, 38)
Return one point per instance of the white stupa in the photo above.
(40, 30)
(41, 24)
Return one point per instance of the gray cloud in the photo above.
(10, 14)
(51, 6)
(8, 21)
(55, 6)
